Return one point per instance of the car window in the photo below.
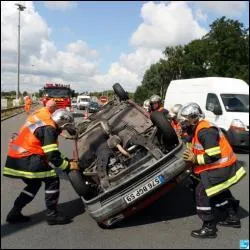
(212, 99)
(235, 102)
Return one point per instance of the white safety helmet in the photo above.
(174, 110)
(146, 104)
(64, 119)
(190, 114)
(155, 98)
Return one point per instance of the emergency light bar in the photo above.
(53, 85)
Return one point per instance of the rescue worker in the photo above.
(32, 156)
(216, 164)
(156, 105)
(51, 106)
(146, 105)
(28, 103)
(173, 118)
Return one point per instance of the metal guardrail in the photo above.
(9, 112)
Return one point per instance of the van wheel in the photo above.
(170, 138)
(120, 92)
(79, 184)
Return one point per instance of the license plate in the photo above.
(144, 189)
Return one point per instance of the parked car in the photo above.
(225, 102)
(127, 159)
(93, 107)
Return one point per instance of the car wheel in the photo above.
(79, 183)
(120, 92)
(170, 138)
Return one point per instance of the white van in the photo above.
(83, 101)
(225, 102)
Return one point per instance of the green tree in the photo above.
(228, 49)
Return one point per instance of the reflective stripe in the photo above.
(18, 148)
(198, 146)
(200, 159)
(221, 204)
(64, 165)
(27, 123)
(203, 208)
(33, 126)
(214, 190)
(30, 175)
(213, 151)
(49, 148)
(28, 193)
(51, 191)
(222, 160)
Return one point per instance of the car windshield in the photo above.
(94, 104)
(236, 102)
(57, 92)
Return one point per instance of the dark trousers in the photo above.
(52, 186)
(206, 206)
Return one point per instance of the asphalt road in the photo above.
(167, 223)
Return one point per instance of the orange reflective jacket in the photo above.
(228, 157)
(177, 127)
(26, 143)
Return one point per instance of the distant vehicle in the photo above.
(225, 102)
(93, 107)
(73, 104)
(60, 93)
(83, 101)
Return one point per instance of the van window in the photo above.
(212, 98)
(84, 100)
(235, 102)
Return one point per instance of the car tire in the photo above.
(79, 183)
(120, 92)
(159, 119)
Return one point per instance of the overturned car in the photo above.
(127, 159)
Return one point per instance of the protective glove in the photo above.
(74, 165)
(189, 156)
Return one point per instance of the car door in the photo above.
(214, 112)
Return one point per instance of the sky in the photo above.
(93, 44)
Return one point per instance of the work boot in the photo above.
(208, 230)
(15, 216)
(232, 220)
(57, 218)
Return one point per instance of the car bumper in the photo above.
(105, 208)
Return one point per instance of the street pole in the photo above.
(20, 8)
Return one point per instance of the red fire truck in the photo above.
(60, 93)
